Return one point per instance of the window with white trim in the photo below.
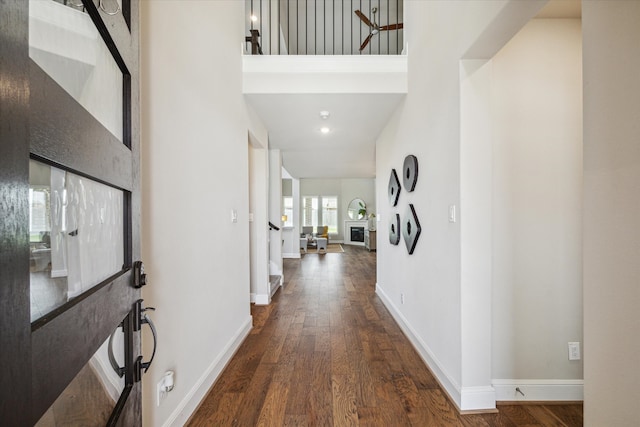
(320, 210)
(310, 210)
(330, 213)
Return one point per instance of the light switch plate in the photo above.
(452, 213)
(574, 351)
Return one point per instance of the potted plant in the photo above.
(362, 212)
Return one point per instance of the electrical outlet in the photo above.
(401, 298)
(574, 351)
(160, 392)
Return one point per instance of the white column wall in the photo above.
(275, 212)
(259, 234)
(611, 60)
(476, 164)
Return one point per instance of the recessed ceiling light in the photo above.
(254, 18)
(324, 115)
(325, 129)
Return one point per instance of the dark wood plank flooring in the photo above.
(326, 352)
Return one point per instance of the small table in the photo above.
(307, 241)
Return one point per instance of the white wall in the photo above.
(427, 125)
(611, 60)
(476, 157)
(346, 190)
(195, 172)
(275, 215)
(258, 232)
(537, 203)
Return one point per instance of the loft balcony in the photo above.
(324, 27)
(324, 46)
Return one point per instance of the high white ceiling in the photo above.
(348, 151)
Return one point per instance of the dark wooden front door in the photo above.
(47, 119)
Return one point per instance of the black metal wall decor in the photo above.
(410, 226)
(394, 229)
(411, 229)
(410, 172)
(394, 188)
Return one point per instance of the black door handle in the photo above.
(112, 359)
(140, 319)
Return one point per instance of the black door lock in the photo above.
(139, 277)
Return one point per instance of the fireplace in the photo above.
(357, 234)
(354, 232)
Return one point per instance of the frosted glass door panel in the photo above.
(65, 43)
(76, 234)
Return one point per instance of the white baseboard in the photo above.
(291, 255)
(275, 289)
(538, 390)
(477, 398)
(484, 398)
(450, 386)
(59, 273)
(189, 404)
(260, 299)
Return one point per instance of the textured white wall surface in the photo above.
(611, 211)
(195, 126)
(537, 201)
(428, 125)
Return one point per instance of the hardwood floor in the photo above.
(327, 353)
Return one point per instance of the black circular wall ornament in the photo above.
(411, 229)
(410, 172)
(394, 188)
(394, 229)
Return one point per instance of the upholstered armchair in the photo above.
(322, 231)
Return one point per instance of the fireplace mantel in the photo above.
(348, 225)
